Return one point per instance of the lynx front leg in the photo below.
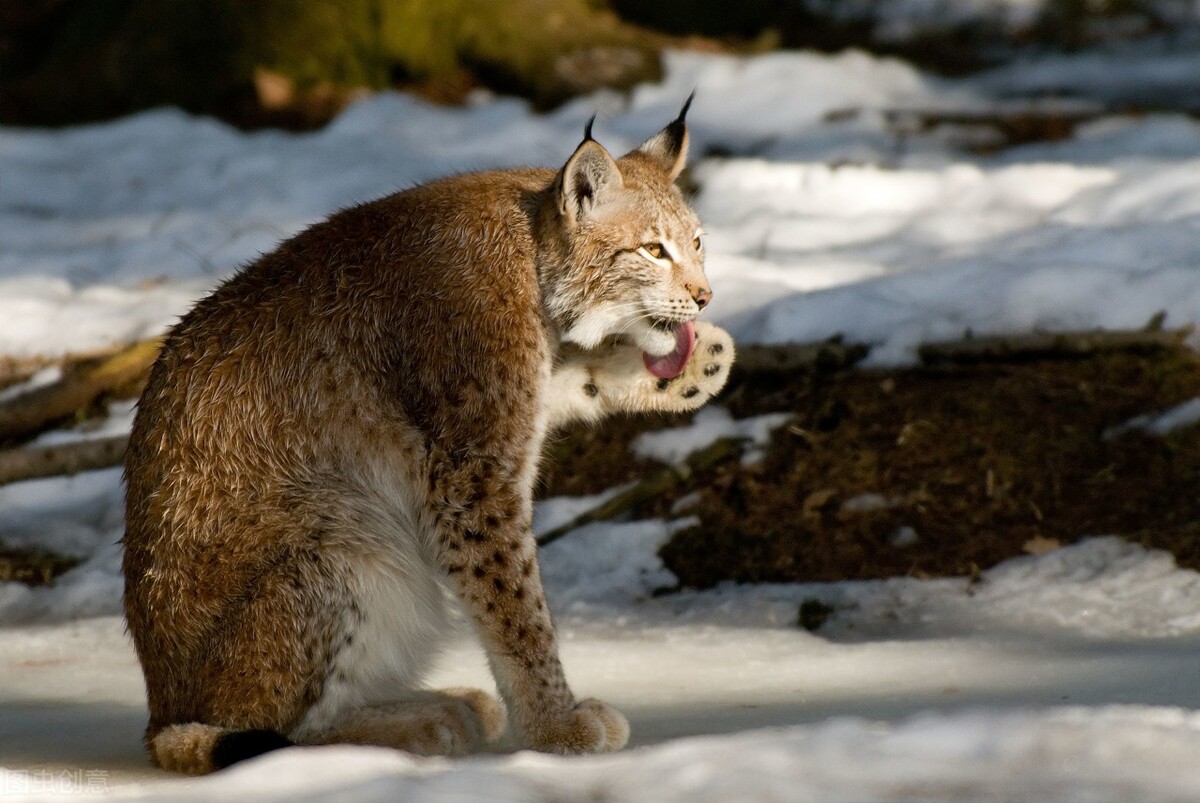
(490, 554)
(588, 386)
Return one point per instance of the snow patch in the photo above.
(1180, 416)
(606, 564)
(1113, 754)
(710, 424)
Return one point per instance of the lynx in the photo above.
(340, 443)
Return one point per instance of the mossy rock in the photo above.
(246, 61)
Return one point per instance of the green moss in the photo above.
(114, 56)
(109, 57)
(313, 41)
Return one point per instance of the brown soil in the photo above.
(968, 466)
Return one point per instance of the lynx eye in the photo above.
(696, 242)
(655, 250)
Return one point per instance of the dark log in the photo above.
(1049, 345)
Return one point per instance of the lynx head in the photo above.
(629, 254)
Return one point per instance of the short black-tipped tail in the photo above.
(195, 748)
(235, 746)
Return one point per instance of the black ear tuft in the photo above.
(669, 147)
(687, 104)
(677, 129)
(236, 746)
(587, 129)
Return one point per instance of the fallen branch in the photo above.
(790, 357)
(83, 382)
(1050, 345)
(653, 486)
(31, 463)
(1010, 123)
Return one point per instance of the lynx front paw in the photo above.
(705, 374)
(591, 384)
(492, 718)
(590, 727)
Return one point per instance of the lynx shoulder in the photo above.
(351, 425)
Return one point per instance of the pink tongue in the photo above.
(669, 366)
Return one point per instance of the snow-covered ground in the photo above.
(1070, 675)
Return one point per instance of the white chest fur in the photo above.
(397, 610)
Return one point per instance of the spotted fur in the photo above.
(344, 436)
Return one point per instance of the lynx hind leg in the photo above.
(452, 722)
(625, 382)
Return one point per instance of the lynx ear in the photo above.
(589, 179)
(669, 147)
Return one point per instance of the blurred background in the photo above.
(296, 63)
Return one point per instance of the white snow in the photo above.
(560, 510)
(906, 19)
(607, 565)
(1068, 675)
(1069, 754)
(938, 251)
(710, 424)
(112, 230)
(1181, 415)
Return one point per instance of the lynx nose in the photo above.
(700, 294)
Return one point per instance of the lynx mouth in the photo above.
(671, 365)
